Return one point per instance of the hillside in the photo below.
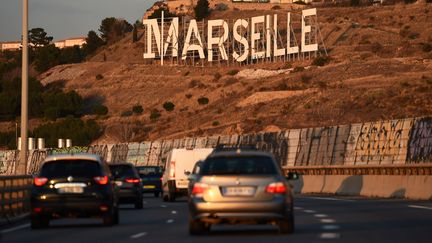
(380, 68)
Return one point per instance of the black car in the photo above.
(77, 185)
(151, 179)
(129, 183)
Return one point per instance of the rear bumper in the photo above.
(76, 208)
(220, 211)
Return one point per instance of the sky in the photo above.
(62, 19)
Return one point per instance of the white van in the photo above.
(180, 161)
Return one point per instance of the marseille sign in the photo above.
(236, 40)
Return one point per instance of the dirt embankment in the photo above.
(380, 68)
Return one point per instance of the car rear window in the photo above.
(122, 171)
(239, 165)
(149, 170)
(62, 168)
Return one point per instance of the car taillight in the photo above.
(199, 189)
(172, 169)
(132, 180)
(101, 180)
(276, 188)
(40, 181)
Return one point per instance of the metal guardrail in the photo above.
(415, 169)
(14, 197)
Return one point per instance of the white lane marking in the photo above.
(420, 207)
(163, 206)
(328, 221)
(170, 221)
(15, 228)
(138, 235)
(320, 215)
(330, 227)
(331, 199)
(309, 211)
(329, 235)
(174, 212)
(298, 208)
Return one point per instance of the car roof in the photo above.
(239, 152)
(121, 163)
(78, 156)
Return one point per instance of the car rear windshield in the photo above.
(122, 171)
(63, 168)
(149, 170)
(239, 165)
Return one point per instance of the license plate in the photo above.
(182, 183)
(238, 191)
(149, 187)
(119, 183)
(74, 189)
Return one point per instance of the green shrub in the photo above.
(99, 77)
(203, 101)
(321, 61)
(298, 69)
(221, 7)
(232, 72)
(154, 115)
(100, 110)
(217, 76)
(216, 123)
(276, 7)
(427, 47)
(126, 113)
(305, 78)
(188, 96)
(137, 109)
(355, 2)
(168, 106)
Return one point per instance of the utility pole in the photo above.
(22, 168)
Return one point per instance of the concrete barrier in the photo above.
(418, 187)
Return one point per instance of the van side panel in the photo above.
(185, 161)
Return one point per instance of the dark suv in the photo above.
(129, 183)
(151, 179)
(240, 186)
(77, 185)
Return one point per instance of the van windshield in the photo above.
(239, 165)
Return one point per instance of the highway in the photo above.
(318, 219)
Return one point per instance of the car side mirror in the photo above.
(187, 173)
(292, 176)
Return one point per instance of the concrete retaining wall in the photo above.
(385, 186)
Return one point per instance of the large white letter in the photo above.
(216, 40)
(294, 49)
(307, 29)
(193, 28)
(173, 37)
(256, 36)
(276, 51)
(239, 38)
(152, 27)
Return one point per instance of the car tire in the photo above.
(139, 204)
(39, 222)
(196, 227)
(286, 226)
(156, 194)
(171, 197)
(117, 216)
(109, 219)
(165, 197)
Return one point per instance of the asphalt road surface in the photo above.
(318, 219)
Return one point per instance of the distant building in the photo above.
(78, 41)
(10, 45)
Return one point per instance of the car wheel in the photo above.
(139, 204)
(156, 194)
(39, 222)
(286, 226)
(165, 197)
(171, 197)
(116, 216)
(196, 227)
(109, 218)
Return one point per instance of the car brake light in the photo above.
(101, 180)
(132, 180)
(40, 181)
(199, 189)
(276, 188)
(172, 169)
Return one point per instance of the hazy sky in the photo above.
(66, 18)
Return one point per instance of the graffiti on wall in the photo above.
(379, 142)
(420, 141)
